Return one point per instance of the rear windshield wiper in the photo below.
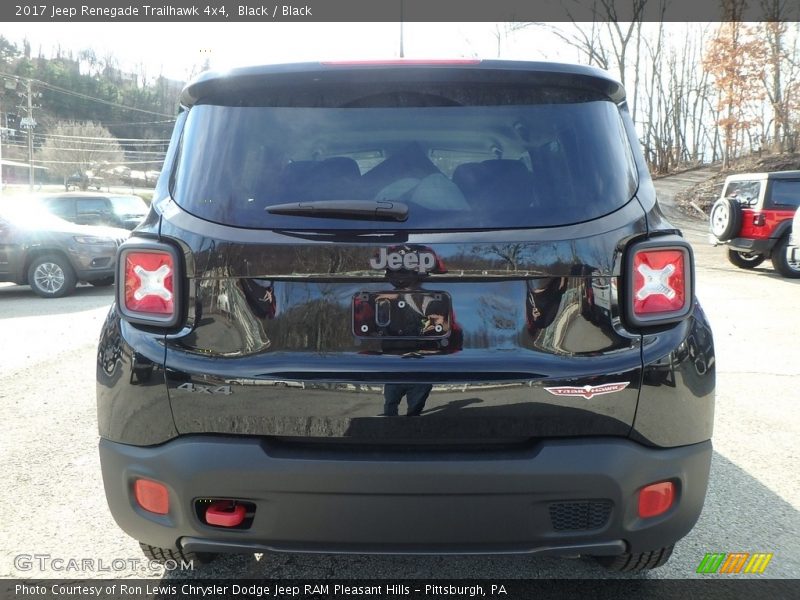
(376, 210)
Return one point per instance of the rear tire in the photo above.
(781, 262)
(161, 555)
(630, 563)
(745, 260)
(51, 276)
(725, 219)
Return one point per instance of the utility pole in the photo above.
(28, 122)
(31, 124)
(402, 52)
(2, 131)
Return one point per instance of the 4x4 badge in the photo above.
(588, 391)
(205, 389)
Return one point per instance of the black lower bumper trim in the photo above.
(610, 548)
(760, 246)
(423, 502)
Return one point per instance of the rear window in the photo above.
(128, 205)
(91, 207)
(556, 162)
(30, 214)
(744, 192)
(61, 207)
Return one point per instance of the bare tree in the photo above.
(502, 31)
(698, 90)
(586, 39)
(621, 35)
(76, 148)
(781, 74)
(658, 103)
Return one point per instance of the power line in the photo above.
(91, 150)
(143, 141)
(78, 162)
(56, 88)
(104, 124)
(79, 145)
(101, 101)
(86, 137)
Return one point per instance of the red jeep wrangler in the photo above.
(753, 216)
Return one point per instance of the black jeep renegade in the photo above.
(406, 308)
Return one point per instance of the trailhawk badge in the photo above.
(588, 391)
(409, 260)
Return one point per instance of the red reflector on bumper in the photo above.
(656, 499)
(225, 514)
(151, 496)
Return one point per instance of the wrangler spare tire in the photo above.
(725, 219)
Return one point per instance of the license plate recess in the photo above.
(399, 314)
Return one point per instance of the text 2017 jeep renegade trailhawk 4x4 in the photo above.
(475, 246)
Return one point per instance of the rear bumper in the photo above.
(93, 262)
(574, 496)
(761, 246)
(94, 274)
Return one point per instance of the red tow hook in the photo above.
(225, 513)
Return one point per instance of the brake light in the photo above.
(148, 289)
(403, 62)
(759, 219)
(661, 276)
(658, 281)
(149, 282)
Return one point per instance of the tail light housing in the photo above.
(659, 281)
(148, 283)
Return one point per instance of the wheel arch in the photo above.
(783, 228)
(35, 253)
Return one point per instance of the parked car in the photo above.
(83, 181)
(753, 217)
(793, 255)
(50, 254)
(316, 230)
(87, 208)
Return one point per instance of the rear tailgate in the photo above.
(486, 288)
(528, 349)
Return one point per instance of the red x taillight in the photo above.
(661, 282)
(149, 282)
(148, 289)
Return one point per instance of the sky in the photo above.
(174, 49)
